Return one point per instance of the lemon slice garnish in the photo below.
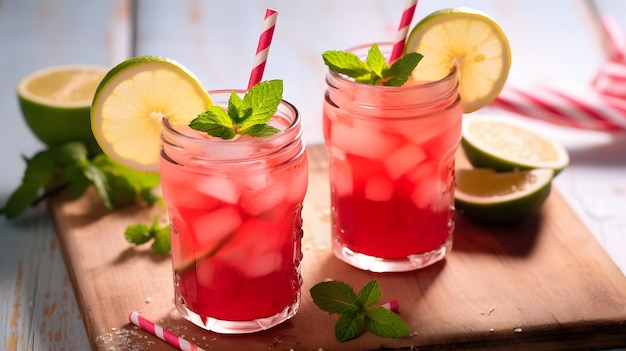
(131, 101)
(470, 40)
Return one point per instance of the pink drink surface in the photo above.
(235, 236)
(392, 180)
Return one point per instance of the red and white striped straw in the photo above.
(263, 48)
(163, 334)
(392, 306)
(602, 108)
(403, 29)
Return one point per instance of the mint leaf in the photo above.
(400, 70)
(215, 122)
(248, 115)
(260, 130)
(161, 244)
(334, 297)
(376, 62)
(141, 233)
(138, 233)
(369, 295)
(263, 100)
(346, 63)
(384, 323)
(375, 70)
(39, 172)
(349, 326)
(357, 311)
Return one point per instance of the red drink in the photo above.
(391, 153)
(235, 211)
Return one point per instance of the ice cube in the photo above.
(219, 187)
(262, 264)
(256, 248)
(298, 182)
(205, 272)
(264, 199)
(379, 188)
(213, 228)
(403, 160)
(341, 179)
(363, 139)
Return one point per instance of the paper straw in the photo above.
(163, 334)
(263, 48)
(392, 306)
(602, 108)
(403, 29)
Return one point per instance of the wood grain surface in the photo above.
(544, 284)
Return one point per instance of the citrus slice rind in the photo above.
(506, 145)
(491, 197)
(470, 40)
(132, 100)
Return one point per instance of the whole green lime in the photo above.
(56, 102)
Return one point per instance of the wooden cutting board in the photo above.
(544, 284)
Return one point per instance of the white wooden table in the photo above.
(555, 42)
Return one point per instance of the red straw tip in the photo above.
(392, 305)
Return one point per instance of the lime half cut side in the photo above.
(131, 101)
(505, 145)
(486, 196)
(470, 40)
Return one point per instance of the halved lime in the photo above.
(493, 197)
(470, 40)
(505, 145)
(55, 103)
(132, 100)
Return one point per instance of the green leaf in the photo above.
(76, 180)
(236, 109)
(99, 179)
(39, 172)
(349, 326)
(20, 199)
(161, 244)
(400, 70)
(263, 100)
(334, 297)
(385, 323)
(375, 70)
(376, 62)
(70, 153)
(248, 115)
(345, 63)
(369, 295)
(260, 130)
(40, 169)
(215, 122)
(138, 234)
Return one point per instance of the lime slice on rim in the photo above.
(506, 145)
(55, 103)
(470, 40)
(131, 101)
(486, 196)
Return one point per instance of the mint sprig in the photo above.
(374, 70)
(357, 312)
(69, 167)
(248, 115)
(141, 233)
